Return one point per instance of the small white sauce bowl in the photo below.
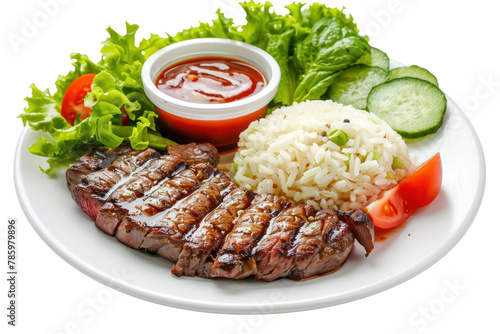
(217, 123)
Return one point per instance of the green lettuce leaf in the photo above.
(329, 48)
(274, 34)
(221, 27)
(117, 89)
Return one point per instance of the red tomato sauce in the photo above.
(211, 80)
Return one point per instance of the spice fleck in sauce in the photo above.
(211, 80)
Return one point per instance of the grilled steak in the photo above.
(362, 228)
(322, 245)
(211, 233)
(95, 187)
(182, 207)
(96, 159)
(135, 187)
(194, 153)
(272, 254)
(234, 259)
(166, 235)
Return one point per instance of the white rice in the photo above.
(287, 154)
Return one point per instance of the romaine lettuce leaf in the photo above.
(329, 60)
(330, 47)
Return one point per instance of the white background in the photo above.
(455, 40)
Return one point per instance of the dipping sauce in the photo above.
(211, 80)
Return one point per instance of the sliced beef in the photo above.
(136, 187)
(142, 181)
(322, 245)
(362, 228)
(99, 175)
(135, 222)
(195, 153)
(234, 260)
(166, 194)
(95, 187)
(95, 159)
(208, 237)
(271, 253)
(167, 234)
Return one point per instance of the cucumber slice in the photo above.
(353, 85)
(413, 71)
(376, 58)
(412, 107)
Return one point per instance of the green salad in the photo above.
(313, 45)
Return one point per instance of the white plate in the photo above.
(426, 238)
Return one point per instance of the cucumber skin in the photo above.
(417, 134)
(381, 59)
(426, 75)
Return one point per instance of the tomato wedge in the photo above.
(72, 103)
(415, 191)
(422, 186)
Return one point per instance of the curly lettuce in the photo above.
(116, 88)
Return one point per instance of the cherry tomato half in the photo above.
(72, 103)
(415, 191)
